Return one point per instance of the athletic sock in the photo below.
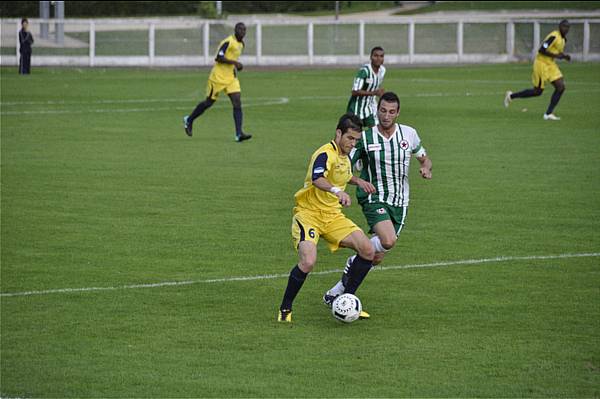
(554, 101)
(337, 289)
(377, 244)
(199, 110)
(356, 274)
(295, 282)
(524, 94)
(237, 118)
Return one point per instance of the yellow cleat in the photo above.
(284, 316)
(364, 315)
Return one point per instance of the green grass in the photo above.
(101, 188)
(455, 6)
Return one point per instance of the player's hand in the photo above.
(344, 198)
(567, 57)
(366, 186)
(425, 173)
(379, 92)
(239, 66)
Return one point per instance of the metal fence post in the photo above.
(151, 43)
(92, 43)
(510, 39)
(18, 45)
(586, 39)
(411, 42)
(536, 38)
(361, 39)
(311, 50)
(206, 40)
(459, 40)
(258, 42)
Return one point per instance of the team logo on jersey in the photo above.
(404, 145)
(381, 211)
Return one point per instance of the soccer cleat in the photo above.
(285, 316)
(328, 299)
(187, 126)
(551, 117)
(243, 137)
(364, 315)
(507, 99)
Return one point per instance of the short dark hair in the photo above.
(389, 97)
(24, 20)
(377, 48)
(350, 121)
(239, 24)
(564, 22)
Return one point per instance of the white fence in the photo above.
(192, 42)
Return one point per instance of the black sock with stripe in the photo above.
(295, 282)
(355, 275)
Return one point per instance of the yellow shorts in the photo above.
(214, 88)
(543, 72)
(310, 225)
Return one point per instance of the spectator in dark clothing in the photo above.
(25, 41)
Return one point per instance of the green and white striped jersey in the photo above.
(385, 164)
(366, 79)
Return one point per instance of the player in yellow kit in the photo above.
(223, 77)
(318, 213)
(545, 69)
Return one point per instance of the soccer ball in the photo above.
(346, 308)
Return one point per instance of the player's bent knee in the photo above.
(388, 242)
(307, 262)
(307, 265)
(537, 91)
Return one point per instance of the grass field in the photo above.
(492, 290)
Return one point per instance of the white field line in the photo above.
(275, 101)
(251, 102)
(276, 276)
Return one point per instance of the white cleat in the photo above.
(551, 117)
(507, 99)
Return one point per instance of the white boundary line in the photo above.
(276, 276)
(260, 102)
(275, 101)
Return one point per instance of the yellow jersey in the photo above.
(231, 49)
(554, 43)
(336, 168)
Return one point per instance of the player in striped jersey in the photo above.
(367, 85)
(385, 151)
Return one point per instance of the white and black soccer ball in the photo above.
(346, 308)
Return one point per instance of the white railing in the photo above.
(295, 42)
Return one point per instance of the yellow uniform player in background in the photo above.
(545, 69)
(223, 77)
(318, 213)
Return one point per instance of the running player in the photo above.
(223, 77)
(385, 151)
(367, 85)
(545, 69)
(318, 213)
